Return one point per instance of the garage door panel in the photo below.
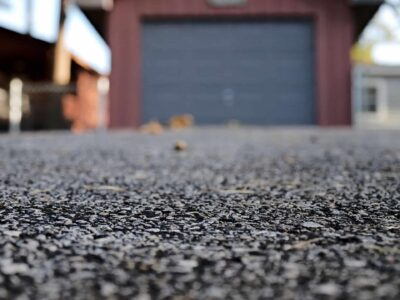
(272, 78)
(255, 72)
(251, 32)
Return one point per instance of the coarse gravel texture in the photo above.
(242, 213)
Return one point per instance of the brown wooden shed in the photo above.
(270, 62)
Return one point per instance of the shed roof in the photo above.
(364, 10)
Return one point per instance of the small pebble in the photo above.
(181, 145)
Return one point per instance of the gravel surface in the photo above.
(245, 213)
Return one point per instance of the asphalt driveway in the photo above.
(242, 213)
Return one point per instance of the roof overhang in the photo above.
(85, 44)
(363, 11)
(367, 2)
(379, 70)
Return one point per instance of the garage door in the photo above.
(252, 72)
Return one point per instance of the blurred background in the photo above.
(94, 64)
(376, 69)
(54, 64)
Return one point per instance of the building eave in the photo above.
(364, 11)
(379, 70)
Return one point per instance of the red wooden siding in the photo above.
(334, 37)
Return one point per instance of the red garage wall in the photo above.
(334, 37)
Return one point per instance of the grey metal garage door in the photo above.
(252, 72)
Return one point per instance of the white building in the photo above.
(376, 96)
